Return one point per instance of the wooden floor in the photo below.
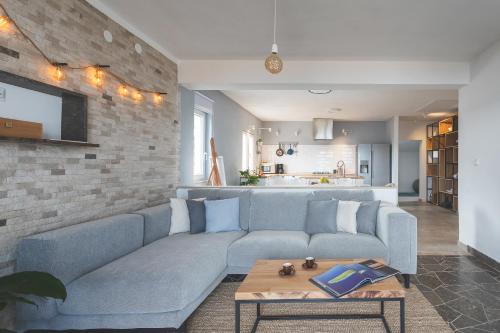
(437, 229)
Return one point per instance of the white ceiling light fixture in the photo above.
(320, 91)
(333, 110)
(273, 62)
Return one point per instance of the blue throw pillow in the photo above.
(222, 215)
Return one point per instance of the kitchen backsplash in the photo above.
(311, 158)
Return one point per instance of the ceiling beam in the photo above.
(299, 75)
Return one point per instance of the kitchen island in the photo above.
(382, 193)
(273, 179)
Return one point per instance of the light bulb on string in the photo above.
(138, 96)
(123, 90)
(4, 22)
(158, 98)
(59, 74)
(98, 76)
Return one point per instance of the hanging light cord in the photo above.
(275, 19)
(101, 67)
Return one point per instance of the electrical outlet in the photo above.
(3, 94)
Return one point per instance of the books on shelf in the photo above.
(343, 279)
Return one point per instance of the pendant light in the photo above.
(273, 63)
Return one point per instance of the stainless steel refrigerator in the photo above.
(374, 163)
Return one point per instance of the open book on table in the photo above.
(343, 279)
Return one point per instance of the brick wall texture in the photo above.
(44, 187)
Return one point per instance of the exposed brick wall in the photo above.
(45, 187)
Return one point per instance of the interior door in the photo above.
(381, 164)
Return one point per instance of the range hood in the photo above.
(322, 129)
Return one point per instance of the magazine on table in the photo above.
(343, 279)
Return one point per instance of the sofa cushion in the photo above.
(321, 216)
(156, 222)
(267, 244)
(346, 246)
(244, 196)
(164, 276)
(216, 194)
(222, 215)
(343, 194)
(283, 210)
(367, 217)
(197, 221)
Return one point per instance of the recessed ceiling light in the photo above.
(320, 91)
(332, 110)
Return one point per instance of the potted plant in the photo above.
(15, 287)
(248, 179)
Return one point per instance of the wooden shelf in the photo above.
(442, 163)
(446, 126)
(49, 142)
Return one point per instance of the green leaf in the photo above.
(33, 283)
(6, 298)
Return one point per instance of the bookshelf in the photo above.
(442, 163)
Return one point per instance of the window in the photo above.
(247, 151)
(199, 157)
(201, 136)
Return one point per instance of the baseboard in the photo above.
(478, 254)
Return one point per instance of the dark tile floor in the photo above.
(463, 289)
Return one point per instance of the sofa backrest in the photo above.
(279, 209)
(73, 251)
(344, 194)
(226, 193)
(156, 222)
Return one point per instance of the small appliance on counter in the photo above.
(267, 167)
(280, 169)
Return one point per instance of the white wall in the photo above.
(479, 155)
(187, 141)
(409, 159)
(416, 130)
(30, 105)
(392, 134)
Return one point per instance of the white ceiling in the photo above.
(356, 105)
(444, 30)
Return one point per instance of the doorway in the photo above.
(409, 170)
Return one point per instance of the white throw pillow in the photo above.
(346, 216)
(180, 216)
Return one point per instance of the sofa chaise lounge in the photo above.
(125, 271)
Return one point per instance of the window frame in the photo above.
(248, 151)
(203, 106)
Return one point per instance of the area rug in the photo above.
(216, 314)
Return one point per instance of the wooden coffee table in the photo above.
(263, 285)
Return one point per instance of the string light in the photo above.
(123, 91)
(158, 98)
(59, 74)
(98, 76)
(58, 67)
(4, 21)
(138, 96)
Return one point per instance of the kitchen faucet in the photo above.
(341, 168)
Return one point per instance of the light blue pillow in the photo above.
(222, 215)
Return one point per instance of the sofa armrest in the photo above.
(397, 229)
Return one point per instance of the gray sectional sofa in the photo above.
(125, 271)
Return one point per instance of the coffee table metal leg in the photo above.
(257, 320)
(237, 317)
(402, 315)
(382, 308)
